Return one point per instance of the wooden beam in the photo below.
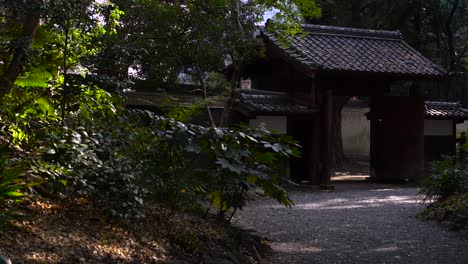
(373, 148)
(313, 172)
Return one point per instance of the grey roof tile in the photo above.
(355, 50)
(445, 110)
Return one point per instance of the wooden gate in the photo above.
(397, 138)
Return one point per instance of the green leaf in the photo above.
(266, 158)
(64, 182)
(39, 77)
(217, 200)
(46, 107)
(14, 194)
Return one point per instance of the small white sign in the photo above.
(246, 84)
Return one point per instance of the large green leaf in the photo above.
(37, 78)
(46, 106)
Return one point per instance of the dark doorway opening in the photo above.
(355, 131)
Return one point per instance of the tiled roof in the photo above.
(251, 102)
(445, 110)
(340, 49)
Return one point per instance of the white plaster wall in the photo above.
(437, 127)
(462, 127)
(355, 129)
(277, 124)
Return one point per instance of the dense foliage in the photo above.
(123, 159)
(61, 66)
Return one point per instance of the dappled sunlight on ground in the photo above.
(364, 202)
(382, 190)
(42, 257)
(347, 177)
(296, 247)
(74, 235)
(386, 249)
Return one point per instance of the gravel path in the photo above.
(354, 224)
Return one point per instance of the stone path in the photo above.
(357, 223)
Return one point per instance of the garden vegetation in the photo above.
(67, 138)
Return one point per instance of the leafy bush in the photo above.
(453, 211)
(93, 155)
(217, 164)
(445, 180)
(90, 146)
(183, 165)
(11, 185)
(122, 161)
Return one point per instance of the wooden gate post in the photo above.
(327, 140)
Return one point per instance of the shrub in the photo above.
(90, 146)
(453, 211)
(123, 161)
(214, 164)
(98, 158)
(445, 180)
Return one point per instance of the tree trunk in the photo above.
(13, 70)
(338, 152)
(450, 39)
(224, 120)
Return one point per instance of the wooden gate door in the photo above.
(397, 138)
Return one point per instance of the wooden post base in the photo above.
(327, 187)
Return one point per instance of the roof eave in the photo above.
(457, 119)
(409, 76)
